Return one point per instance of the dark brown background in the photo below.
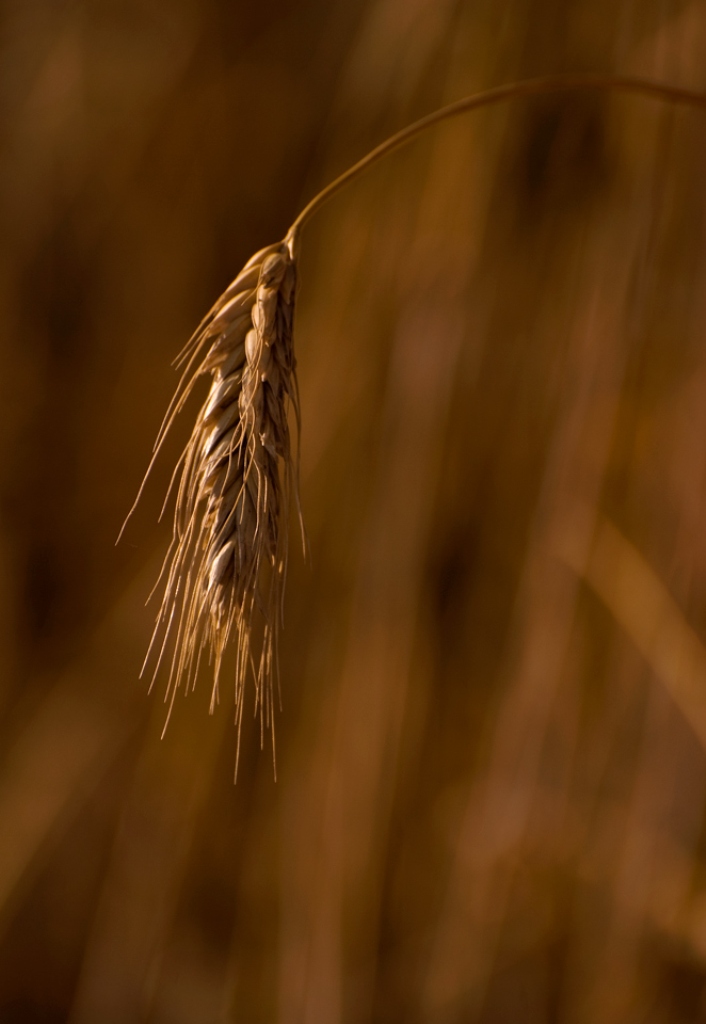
(491, 787)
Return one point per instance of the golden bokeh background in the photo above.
(491, 782)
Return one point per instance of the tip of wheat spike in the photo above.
(225, 571)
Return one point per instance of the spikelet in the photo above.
(226, 566)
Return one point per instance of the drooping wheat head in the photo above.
(226, 565)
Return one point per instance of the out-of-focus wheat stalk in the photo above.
(226, 567)
(644, 607)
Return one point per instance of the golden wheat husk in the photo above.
(226, 566)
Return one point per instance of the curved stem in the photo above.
(527, 87)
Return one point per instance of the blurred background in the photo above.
(491, 782)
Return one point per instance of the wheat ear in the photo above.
(226, 566)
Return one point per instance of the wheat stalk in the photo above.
(226, 566)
